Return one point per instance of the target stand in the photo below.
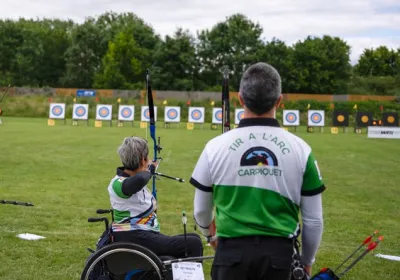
(358, 130)
(311, 129)
(287, 128)
(99, 123)
(168, 124)
(191, 125)
(52, 122)
(215, 126)
(120, 123)
(75, 122)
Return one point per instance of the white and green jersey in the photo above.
(132, 212)
(257, 175)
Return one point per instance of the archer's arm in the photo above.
(203, 199)
(311, 211)
(132, 185)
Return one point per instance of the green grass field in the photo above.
(64, 170)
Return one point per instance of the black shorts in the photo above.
(253, 258)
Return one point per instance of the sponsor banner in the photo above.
(384, 132)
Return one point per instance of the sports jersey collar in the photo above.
(120, 172)
(258, 122)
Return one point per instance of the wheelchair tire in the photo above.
(96, 260)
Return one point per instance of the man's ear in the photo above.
(240, 99)
(278, 102)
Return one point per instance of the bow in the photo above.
(157, 146)
(226, 123)
(5, 93)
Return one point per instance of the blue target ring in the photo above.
(104, 112)
(196, 114)
(291, 117)
(146, 113)
(80, 111)
(126, 112)
(316, 117)
(57, 110)
(172, 114)
(240, 115)
(218, 115)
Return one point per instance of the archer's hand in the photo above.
(307, 268)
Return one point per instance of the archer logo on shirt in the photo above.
(260, 157)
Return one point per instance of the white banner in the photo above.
(316, 118)
(239, 113)
(103, 112)
(217, 116)
(57, 111)
(387, 132)
(126, 113)
(291, 117)
(172, 114)
(145, 115)
(196, 114)
(80, 112)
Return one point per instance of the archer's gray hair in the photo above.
(132, 151)
(260, 88)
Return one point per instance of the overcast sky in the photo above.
(362, 23)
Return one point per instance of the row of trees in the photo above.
(114, 50)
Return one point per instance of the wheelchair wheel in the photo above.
(124, 261)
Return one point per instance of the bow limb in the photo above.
(152, 126)
(226, 122)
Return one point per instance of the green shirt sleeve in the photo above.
(117, 187)
(312, 179)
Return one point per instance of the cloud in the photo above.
(361, 23)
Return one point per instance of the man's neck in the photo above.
(130, 172)
(250, 115)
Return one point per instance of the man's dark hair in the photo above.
(260, 88)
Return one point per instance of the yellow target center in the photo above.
(340, 118)
(390, 119)
(364, 119)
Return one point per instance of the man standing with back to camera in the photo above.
(259, 177)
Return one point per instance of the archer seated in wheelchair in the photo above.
(134, 206)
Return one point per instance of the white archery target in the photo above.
(145, 115)
(103, 112)
(196, 114)
(316, 118)
(57, 111)
(80, 112)
(291, 117)
(126, 113)
(172, 114)
(217, 116)
(239, 113)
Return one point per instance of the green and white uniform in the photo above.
(136, 211)
(256, 176)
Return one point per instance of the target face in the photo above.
(172, 113)
(340, 118)
(218, 115)
(126, 112)
(316, 117)
(57, 110)
(80, 111)
(240, 115)
(390, 119)
(291, 118)
(104, 112)
(196, 114)
(146, 113)
(364, 119)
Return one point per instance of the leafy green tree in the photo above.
(176, 65)
(379, 62)
(322, 65)
(235, 42)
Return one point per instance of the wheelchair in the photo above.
(125, 260)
